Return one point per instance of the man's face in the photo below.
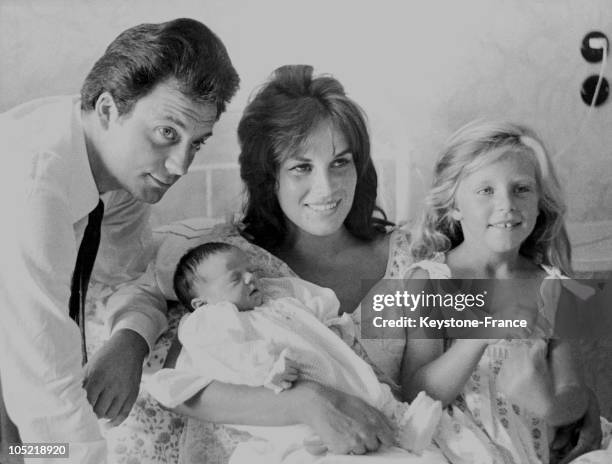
(150, 148)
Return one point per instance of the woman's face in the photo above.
(316, 186)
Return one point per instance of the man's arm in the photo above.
(137, 316)
(136, 313)
(126, 258)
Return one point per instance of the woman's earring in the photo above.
(456, 215)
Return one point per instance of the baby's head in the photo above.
(216, 272)
(498, 154)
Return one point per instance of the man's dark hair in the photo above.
(187, 269)
(145, 55)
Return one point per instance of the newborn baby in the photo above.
(272, 332)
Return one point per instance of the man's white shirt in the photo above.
(46, 194)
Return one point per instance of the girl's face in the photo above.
(316, 187)
(497, 205)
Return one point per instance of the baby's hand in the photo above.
(283, 373)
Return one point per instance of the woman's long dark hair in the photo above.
(276, 125)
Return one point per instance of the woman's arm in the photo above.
(250, 405)
(347, 423)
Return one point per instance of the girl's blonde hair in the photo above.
(471, 147)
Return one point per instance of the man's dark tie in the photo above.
(82, 271)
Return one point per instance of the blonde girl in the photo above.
(495, 211)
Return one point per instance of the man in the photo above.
(145, 109)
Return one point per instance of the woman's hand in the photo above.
(588, 431)
(348, 424)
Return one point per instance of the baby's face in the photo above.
(228, 276)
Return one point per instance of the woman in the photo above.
(311, 188)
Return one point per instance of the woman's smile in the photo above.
(324, 207)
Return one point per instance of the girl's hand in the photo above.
(348, 424)
(525, 377)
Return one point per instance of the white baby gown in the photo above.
(224, 344)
